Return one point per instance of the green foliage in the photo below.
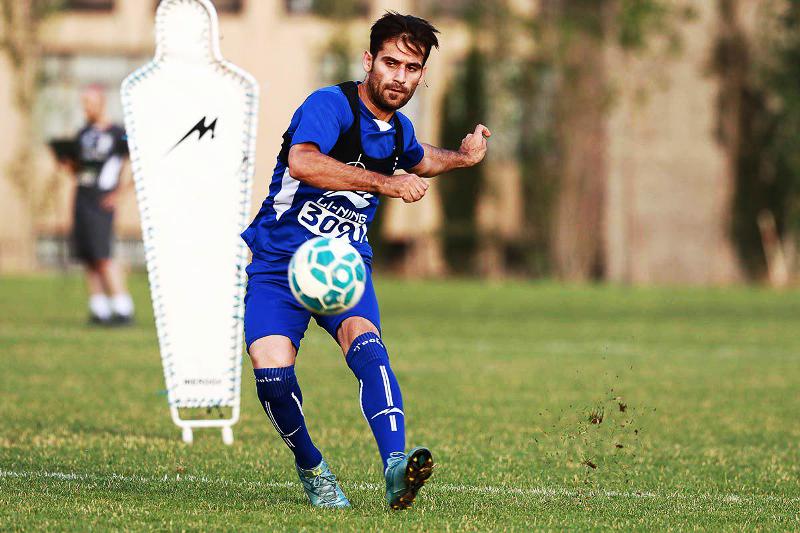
(638, 21)
(767, 114)
(535, 78)
(464, 107)
(20, 23)
(340, 9)
(538, 155)
(336, 59)
(782, 76)
(632, 24)
(41, 9)
(20, 41)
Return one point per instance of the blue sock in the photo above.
(379, 393)
(282, 400)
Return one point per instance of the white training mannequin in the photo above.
(191, 120)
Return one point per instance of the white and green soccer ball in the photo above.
(327, 276)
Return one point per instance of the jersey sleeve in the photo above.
(412, 149)
(322, 118)
(120, 141)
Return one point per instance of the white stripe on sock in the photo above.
(361, 398)
(386, 387)
(272, 418)
(298, 405)
(393, 422)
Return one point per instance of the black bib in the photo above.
(348, 147)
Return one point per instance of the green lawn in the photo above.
(501, 381)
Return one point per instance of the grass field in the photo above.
(698, 392)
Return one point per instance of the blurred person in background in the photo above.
(97, 158)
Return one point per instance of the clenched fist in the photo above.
(409, 187)
(473, 146)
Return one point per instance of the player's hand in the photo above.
(409, 187)
(473, 146)
(109, 201)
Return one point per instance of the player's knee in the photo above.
(367, 352)
(352, 328)
(102, 266)
(273, 351)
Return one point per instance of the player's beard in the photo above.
(377, 93)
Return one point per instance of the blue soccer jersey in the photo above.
(294, 212)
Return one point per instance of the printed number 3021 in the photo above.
(320, 221)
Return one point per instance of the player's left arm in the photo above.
(439, 160)
(110, 199)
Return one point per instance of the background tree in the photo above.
(545, 74)
(574, 35)
(464, 106)
(759, 124)
(19, 39)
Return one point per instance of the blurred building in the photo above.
(667, 182)
(286, 44)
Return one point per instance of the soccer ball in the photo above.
(327, 276)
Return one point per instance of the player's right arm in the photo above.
(309, 165)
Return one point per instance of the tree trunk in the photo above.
(499, 210)
(581, 133)
(20, 42)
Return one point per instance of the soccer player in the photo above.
(339, 154)
(100, 152)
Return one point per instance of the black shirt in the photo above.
(100, 155)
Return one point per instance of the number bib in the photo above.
(328, 216)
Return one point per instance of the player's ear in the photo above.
(367, 61)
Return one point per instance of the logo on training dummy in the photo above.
(201, 129)
(202, 381)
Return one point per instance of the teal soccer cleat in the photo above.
(321, 487)
(405, 475)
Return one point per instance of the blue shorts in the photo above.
(270, 307)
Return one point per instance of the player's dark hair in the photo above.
(416, 33)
